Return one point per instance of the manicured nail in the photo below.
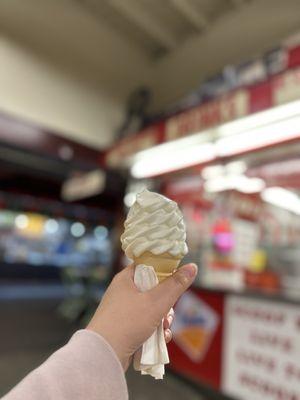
(189, 270)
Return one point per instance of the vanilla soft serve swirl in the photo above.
(155, 224)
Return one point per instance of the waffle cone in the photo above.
(164, 264)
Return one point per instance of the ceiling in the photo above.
(150, 39)
(114, 46)
(160, 27)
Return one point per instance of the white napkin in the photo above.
(153, 355)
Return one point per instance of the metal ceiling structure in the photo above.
(102, 50)
(160, 27)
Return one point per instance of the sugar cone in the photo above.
(164, 264)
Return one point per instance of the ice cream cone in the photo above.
(164, 264)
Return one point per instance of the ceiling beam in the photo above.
(191, 13)
(134, 12)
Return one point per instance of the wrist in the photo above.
(113, 342)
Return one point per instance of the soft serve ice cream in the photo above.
(155, 233)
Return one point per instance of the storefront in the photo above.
(232, 164)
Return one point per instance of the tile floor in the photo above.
(31, 331)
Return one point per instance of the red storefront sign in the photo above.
(286, 87)
(247, 348)
(131, 145)
(283, 88)
(294, 57)
(260, 97)
(216, 112)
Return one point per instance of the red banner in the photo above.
(283, 88)
(131, 145)
(216, 112)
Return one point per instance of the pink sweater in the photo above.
(86, 368)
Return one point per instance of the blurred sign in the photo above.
(258, 261)
(83, 186)
(132, 144)
(246, 236)
(196, 350)
(261, 90)
(244, 206)
(261, 350)
(183, 186)
(194, 326)
(286, 87)
(205, 116)
(251, 72)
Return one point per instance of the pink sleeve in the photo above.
(85, 368)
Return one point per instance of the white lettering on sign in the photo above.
(261, 350)
(216, 112)
(287, 87)
(131, 145)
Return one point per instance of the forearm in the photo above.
(85, 368)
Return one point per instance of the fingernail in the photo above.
(189, 270)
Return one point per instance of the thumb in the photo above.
(167, 293)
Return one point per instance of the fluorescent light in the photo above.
(161, 162)
(251, 185)
(282, 198)
(178, 144)
(273, 126)
(218, 184)
(260, 137)
(213, 171)
(232, 168)
(236, 167)
(260, 119)
(240, 183)
(22, 221)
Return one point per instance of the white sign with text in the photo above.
(261, 349)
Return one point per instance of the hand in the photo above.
(127, 317)
(167, 322)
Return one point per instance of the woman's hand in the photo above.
(167, 325)
(127, 317)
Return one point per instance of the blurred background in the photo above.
(196, 99)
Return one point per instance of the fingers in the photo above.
(168, 335)
(168, 319)
(166, 294)
(171, 314)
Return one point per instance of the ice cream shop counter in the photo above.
(238, 345)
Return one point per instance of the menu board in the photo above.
(261, 358)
